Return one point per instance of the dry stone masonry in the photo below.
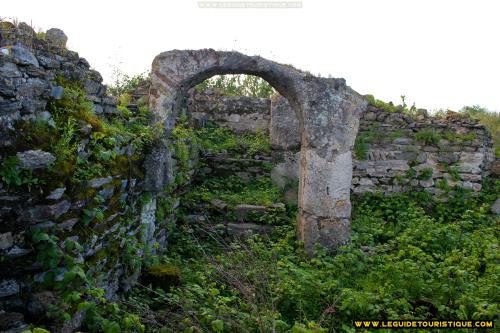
(239, 113)
(395, 152)
(90, 214)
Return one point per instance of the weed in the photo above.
(425, 174)
(428, 136)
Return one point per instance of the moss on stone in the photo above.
(162, 276)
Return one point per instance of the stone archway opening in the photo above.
(328, 118)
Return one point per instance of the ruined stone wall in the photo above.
(395, 152)
(50, 227)
(238, 113)
(28, 70)
(434, 154)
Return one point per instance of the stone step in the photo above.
(241, 212)
(225, 165)
(247, 229)
(232, 157)
(246, 212)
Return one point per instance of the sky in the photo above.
(440, 54)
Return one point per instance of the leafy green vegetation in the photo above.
(238, 85)
(411, 257)
(219, 139)
(235, 190)
(123, 84)
(11, 174)
(458, 138)
(86, 146)
(428, 136)
(425, 174)
(388, 107)
(75, 120)
(361, 147)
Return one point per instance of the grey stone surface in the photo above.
(56, 194)
(244, 212)
(248, 229)
(98, 182)
(40, 302)
(240, 113)
(57, 92)
(12, 322)
(35, 159)
(388, 159)
(8, 288)
(495, 208)
(45, 212)
(284, 127)
(9, 70)
(148, 221)
(23, 56)
(219, 204)
(29, 67)
(57, 37)
(6, 240)
(26, 28)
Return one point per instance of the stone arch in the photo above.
(328, 112)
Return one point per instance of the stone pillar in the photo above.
(330, 123)
(324, 204)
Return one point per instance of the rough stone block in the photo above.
(248, 229)
(47, 212)
(8, 288)
(6, 240)
(57, 37)
(35, 159)
(243, 211)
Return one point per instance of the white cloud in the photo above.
(439, 53)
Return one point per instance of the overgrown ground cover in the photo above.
(411, 258)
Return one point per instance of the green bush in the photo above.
(387, 107)
(124, 83)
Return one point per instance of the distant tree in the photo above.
(238, 85)
(124, 83)
(474, 110)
